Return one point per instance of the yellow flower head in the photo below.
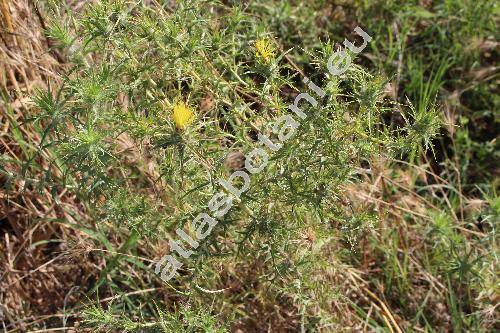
(265, 49)
(182, 115)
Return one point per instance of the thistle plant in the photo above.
(158, 96)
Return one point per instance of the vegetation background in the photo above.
(380, 215)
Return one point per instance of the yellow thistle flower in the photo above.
(182, 115)
(265, 49)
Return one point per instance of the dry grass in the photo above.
(37, 271)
